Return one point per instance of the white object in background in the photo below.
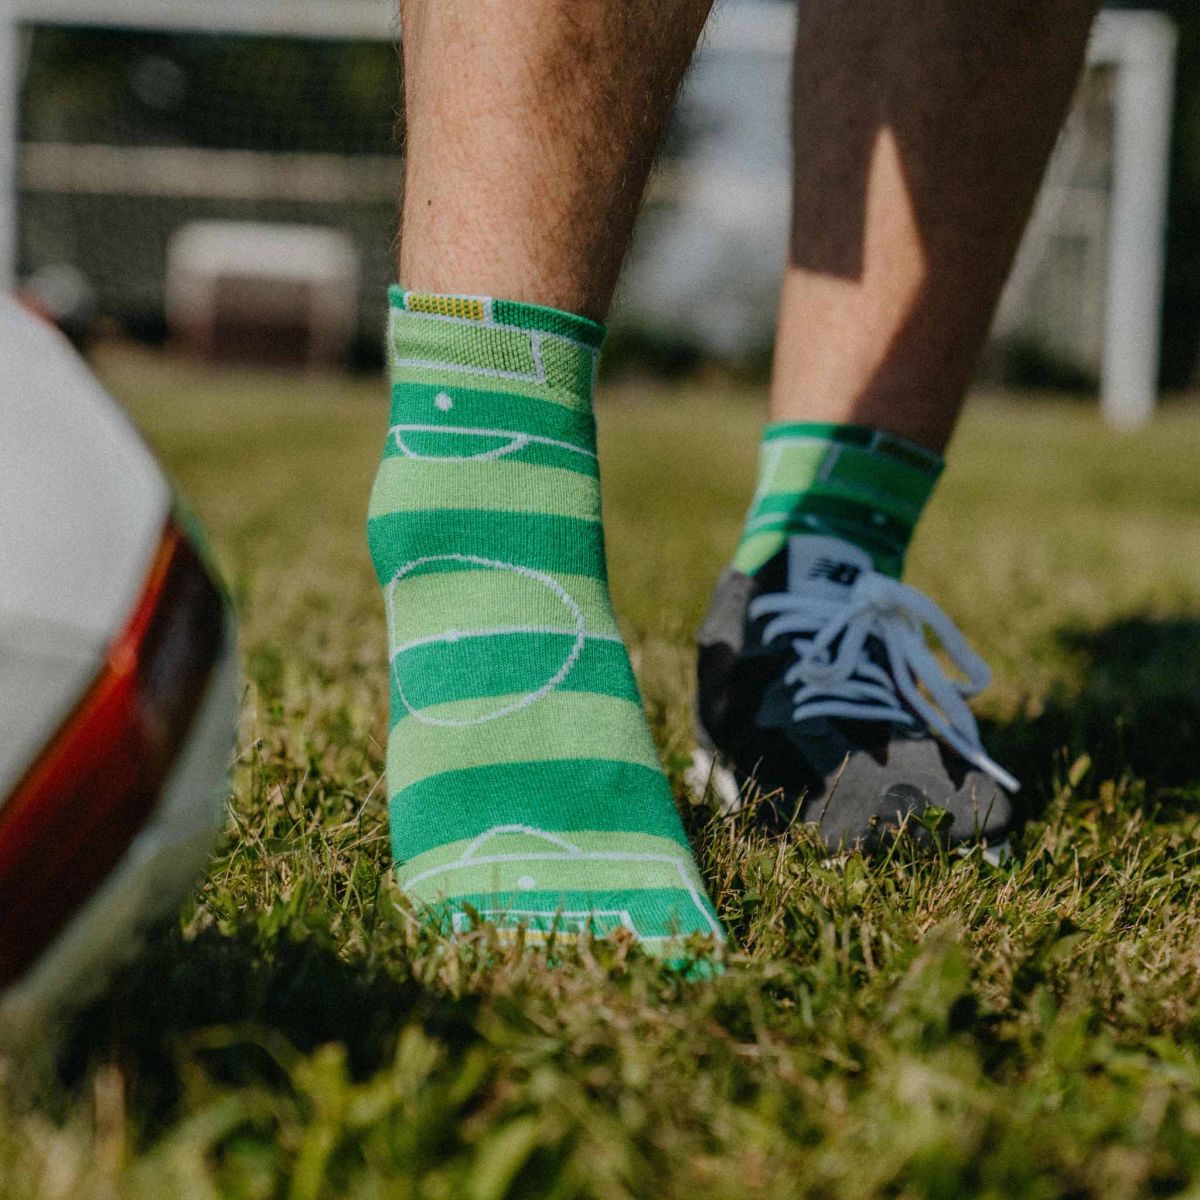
(1141, 46)
(288, 276)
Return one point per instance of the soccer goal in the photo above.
(256, 112)
(131, 130)
(1086, 288)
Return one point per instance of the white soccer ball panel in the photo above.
(83, 506)
(84, 502)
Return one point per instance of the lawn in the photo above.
(911, 1027)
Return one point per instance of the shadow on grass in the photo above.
(238, 1003)
(1132, 704)
(243, 1004)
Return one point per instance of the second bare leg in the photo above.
(921, 132)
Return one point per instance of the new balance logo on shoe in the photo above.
(842, 573)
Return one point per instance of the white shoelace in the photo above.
(846, 683)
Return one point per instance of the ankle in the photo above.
(842, 481)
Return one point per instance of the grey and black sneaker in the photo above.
(817, 686)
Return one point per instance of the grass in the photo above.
(915, 1027)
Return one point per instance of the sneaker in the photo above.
(818, 689)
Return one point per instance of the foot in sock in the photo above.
(524, 784)
(815, 678)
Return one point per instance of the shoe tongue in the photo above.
(824, 566)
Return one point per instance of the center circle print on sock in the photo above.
(573, 627)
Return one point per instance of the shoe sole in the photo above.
(709, 776)
(151, 879)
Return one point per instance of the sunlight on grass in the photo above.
(913, 1026)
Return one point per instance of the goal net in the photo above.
(131, 132)
(129, 120)
(1083, 302)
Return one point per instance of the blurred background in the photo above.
(219, 180)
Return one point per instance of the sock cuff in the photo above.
(488, 312)
(863, 437)
(455, 345)
(863, 485)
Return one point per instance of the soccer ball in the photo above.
(118, 693)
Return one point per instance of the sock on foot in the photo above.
(524, 784)
(844, 481)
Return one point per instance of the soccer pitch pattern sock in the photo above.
(524, 784)
(862, 485)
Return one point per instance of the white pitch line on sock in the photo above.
(470, 431)
(451, 636)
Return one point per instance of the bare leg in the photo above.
(532, 124)
(531, 129)
(921, 131)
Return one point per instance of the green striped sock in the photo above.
(524, 785)
(862, 485)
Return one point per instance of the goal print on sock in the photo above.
(537, 357)
(511, 442)
(519, 861)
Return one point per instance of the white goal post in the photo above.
(1139, 46)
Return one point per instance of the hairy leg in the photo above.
(524, 784)
(920, 135)
(531, 128)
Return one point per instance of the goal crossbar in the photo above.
(341, 19)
